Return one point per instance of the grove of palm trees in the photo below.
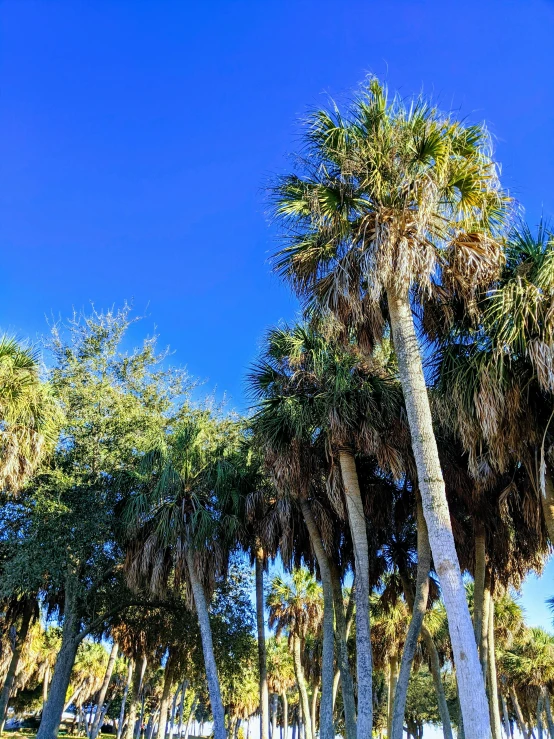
(344, 557)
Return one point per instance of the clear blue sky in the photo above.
(136, 137)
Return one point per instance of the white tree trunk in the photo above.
(471, 686)
(97, 725)
(364, 661)
(262, 655)
(301, 682)
(496, 723)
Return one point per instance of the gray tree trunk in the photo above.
(393, 679)
(135, 699)
(484, 652)
(191, 717)
(20, 639)
(301, 682)
(505, 717)
(313, 707)
(539, 717)
(164, 702)
(519, 714)
(262, 652)
(207, 648)
(124, 699)
(285, 702)
(97, 724)
(45, 685)
(548, 711)
(343, 673)
(479, 583)
(473, 698)
(326, 727)
(171, 723)
(274, 716)
(496, 723)
(52, 713)
(182, 707)
(547, 502)
(364, 661)
(418, 606)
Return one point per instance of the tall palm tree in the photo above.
(397, 201)
(181, 520)
(312, 391)
(295, 605)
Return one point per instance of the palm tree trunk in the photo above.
(134, 702)
(479, 582)
(20, 639)
(96, 726)
(344, 672)
(207, 648)
(315, 694)
(124, 699)
(434, 664)
(364, 661)
(52, 713)
(164, 702)
(327, 729)
(547, 502)
(519, 714)
(539, 717)
(182, 707)
(45, 684)
(471, 686)
(418, 607)
(496, 724)
(191, 717)
(548, 710)
(262, 653)
(285, 702)
(171, 722)
(274, 716)
(393, 679)
(505, 717)
(484, 653)
(301, 682)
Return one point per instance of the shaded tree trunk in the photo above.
(496, 723)
(182, 707)
(274, 716)
(343, 673)
(326, 726)
(315, 694)
(124, 699)
(548, 710)
(97, 724)
(393, 679)
(20, 639)
(505, 717)
(301, 682)
(471, 686)
(166, 696)
(207, 648)
(171, 723)
(135, 699)
(418, 607)
(484, 653)
(479, 583)
(547, 501)
(539, 717)
(262, 652)
(519, 714)
(52, 713)
(45, 684)
(190, 718)
(364, 661)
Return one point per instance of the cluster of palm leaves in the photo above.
(401, 439)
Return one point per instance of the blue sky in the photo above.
(136, 137)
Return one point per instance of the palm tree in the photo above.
(312, 391)
(395, 201)
(181, 511)
(281, 677)
(28, 414)
(295, 605)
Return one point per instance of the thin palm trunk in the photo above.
(548, 712)
(20, 639)
(184, 689)
(207, 648)
(343, 673)
(505, 717)
(262, 653)
(519, 714)
(471, 685)
(191, 717)
(171, 722)
(547, 502)
(496, 723)
(285, 702)
(301, 682)
(364, 661)
(393, 679)
(315, 695)
(164, 702)
(135, 699)
(326, 727)
(45, 684)
(124, 699)
(539, 717)
(484, 655)
(274, 716)
(479, 582)
(97, 725)
(418, 607)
